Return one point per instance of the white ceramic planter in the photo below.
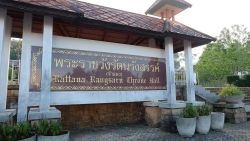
(64, 137)
(33, 138)
(217, 120)
(203, 124)
(186, 126)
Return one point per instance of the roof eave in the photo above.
(80, 19)
(37, 9)
(75, 17)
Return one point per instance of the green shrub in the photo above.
(203, 110)
(42, 128)
(240, 82)
(231, 90)
(47, 128)
(56, 128)
(8, 132)
(24, 130)
(233, 79)
(189, 112)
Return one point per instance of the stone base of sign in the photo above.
(177, 105)
(169, 114)
(196, 103)
(36, 114)
(152, 114)
(235, 113)
(7, 116)
(96, 115)
(151, 104)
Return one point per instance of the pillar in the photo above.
(23, 97)
(190, 87)
(170, 73)
(45, 111)
(46, 64)
(190, 91)
(3, 50)
(170, 70)
(5, 39)
(171, 109)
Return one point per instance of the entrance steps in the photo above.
(213, 98)
(206, 95)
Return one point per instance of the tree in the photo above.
(178, 59)
(229, 55)
(15, 49)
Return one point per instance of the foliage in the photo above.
(189, 112)
(10, 73)
(231, 90)
(42, 128)
(203, 110)
(178, 59)
(15, 132)
(233, 79)
(56, 128)
(24, 130)
(240, 82)
(229, 55)
(15, 49)
(47, 128)
(8, 132)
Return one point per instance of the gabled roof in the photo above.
(119, 17)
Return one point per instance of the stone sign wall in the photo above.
(75, 70)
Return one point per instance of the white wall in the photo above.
(92, 97)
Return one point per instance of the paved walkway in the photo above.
(231, 132)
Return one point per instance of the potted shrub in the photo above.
(231, 94)
(217, 120)
(24, 132)
(7, 132)
(204, 120)
(186, 123)
(51, 131)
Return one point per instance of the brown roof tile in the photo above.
(111, 15)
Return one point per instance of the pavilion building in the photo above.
(76, 53)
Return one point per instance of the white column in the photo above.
(170, 70)
(25, 69)
(190, 89)
(46, 64)
(5, 38)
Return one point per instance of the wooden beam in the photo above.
(78, 31)
(63, 30)
(127, 39)
(104, 35)
(140, 41)
(135, 41)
